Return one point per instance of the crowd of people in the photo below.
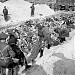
(33, 36)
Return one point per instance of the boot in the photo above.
(26, 65)
(49, 46)
(41, 53)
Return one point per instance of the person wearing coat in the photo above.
(47, 36)
(5, 52)
(19, 54)
(32, 10)
(34, 52)
(12, 39)
(5, 12)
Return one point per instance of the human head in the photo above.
(12, 39)
(2, 40)
(5, 7)
(3, 37)
(32, 3)
(11, 35)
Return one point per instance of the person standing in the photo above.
(5, 12)
(32, 9)
(5, 63)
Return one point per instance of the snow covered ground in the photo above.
(59, 60)
(19, 10)
(61, 56)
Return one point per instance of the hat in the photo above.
(4, 6)
(3, 36)
(10, 31)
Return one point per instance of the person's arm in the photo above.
(3, 11)
(31, 7)
(34, 8)
(7, 11)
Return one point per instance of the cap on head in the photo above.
(4, 6)
(33, 3)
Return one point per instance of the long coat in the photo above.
(34, 52)
(47, 35)
(5, 12)
(6, 52)
(32, 10)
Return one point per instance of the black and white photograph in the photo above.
(37, 37)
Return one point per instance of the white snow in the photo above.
(65, 51)
(59, 60)
(19, 10)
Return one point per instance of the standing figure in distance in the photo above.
(32, 9)
(5, 12)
